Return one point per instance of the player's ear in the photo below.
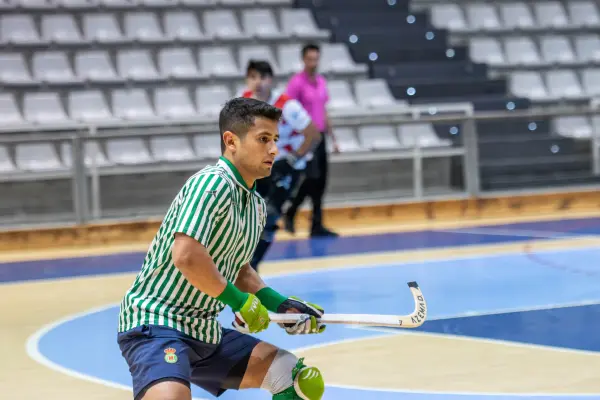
(230, 140)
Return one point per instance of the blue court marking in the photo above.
(294, 249)
(453, 287)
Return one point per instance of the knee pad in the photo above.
(289, 379)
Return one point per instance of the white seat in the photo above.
(95, 66)
(127, 151)
(289, 56)
(482, 17)
(486, 50)
(144, 27)
(117, 4)
(516, 15)
(528, 84)
(132, 104)
(378, 137)
(590, 78)
(89, 106)
(199, 3)
(60, 28)
(222, 24)
(52, 67)
(521, 51)
(37, 157)
(9, 111)
(421, 135)
(93, 155)
(136, 65)
(261, 24)
(102, 28)
(550, 14)
(171, 148)
(300, 23)
(556, 49)
(6, 164)
(182, 25)
(575, 126)
(207, 145)
(347, 140)
(178, 63)
(335, 57)
(236, 3)
(43, 108)
(583, 13)
(159, 3)
(13, 68)
(210, 99)
(563, 84)
(173, 103)
(18, 29)
(448, 16)
(341, 100)
(218, 62)
(76, 4)
(375, 95)
(587, 47)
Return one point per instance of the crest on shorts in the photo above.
(170, 355)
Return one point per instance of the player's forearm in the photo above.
(312, 137)
(198, 267)
(248, 280)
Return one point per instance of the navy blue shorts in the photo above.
(155, 353)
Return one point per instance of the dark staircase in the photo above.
(420, 67)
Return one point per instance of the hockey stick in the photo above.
(413, 320)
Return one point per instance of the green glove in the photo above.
(251, 316)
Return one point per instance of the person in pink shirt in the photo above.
(310, 89)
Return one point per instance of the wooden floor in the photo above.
(478, 274)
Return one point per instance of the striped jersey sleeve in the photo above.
(206, 201)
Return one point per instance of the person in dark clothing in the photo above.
(310, 89)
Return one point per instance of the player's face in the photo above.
(259, 147)
(265, 84)
(311, 60)
(252, 80)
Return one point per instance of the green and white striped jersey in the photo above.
(216, 208)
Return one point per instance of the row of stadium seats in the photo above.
(47, 156)
(513, 15)
(556, 84)
(366, 96)
(577, 127)
(156, 27)
(529, 51)
(58, 67)
(49, 5)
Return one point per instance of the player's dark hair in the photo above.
(310, 47)
(260, 66)
(238, 114)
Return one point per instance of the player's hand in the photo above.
(309, 324)
(253, 317)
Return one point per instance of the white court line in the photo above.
(33, 351)
(32, 343)
(517, 232)
(462, 338)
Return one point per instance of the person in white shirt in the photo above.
(298, 137)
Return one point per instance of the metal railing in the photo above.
(85, 177)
